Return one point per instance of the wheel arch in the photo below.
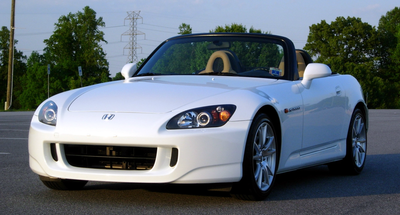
(273, 114)
(364, 110)
(247, 188)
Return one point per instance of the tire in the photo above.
(62, 184)
(356, 147)
(260, 161)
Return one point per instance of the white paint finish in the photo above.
(199, 149)
(128, 70)
(313, 71)
(324, 111)
(313, 131)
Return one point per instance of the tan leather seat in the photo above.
(301, 65)
(282, 66)
(227, 67)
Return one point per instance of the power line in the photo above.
(159, 26)
(32, 34)
(115, 56)
(167, 27)
(117, 26)
(154, 40)
(41, 33)
(159, 31)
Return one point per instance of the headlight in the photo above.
(48, 113)
(211, 116)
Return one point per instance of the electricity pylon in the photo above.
(133, 16)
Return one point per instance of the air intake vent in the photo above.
(110, 157)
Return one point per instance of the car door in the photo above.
(324, 115)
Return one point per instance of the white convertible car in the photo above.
(204, 108)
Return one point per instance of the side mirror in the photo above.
(128, 70)
(315, 70)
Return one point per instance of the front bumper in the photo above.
(211, 155)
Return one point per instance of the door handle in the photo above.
(338, 91)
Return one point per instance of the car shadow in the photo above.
(380, 176)
(221, 190)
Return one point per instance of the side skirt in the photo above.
(314, 156)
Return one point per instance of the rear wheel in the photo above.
(356, 147)
(260, 161)
(62, 184)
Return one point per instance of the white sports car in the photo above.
(204, 108)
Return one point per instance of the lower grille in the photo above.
(110, 157)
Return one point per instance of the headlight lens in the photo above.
(211, 116)
(48, 113)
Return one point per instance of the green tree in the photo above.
(76, 42)
(388, 40)
(267, 52)
(118, 76)
(389, 54)
(35, 82)
(236, 28)
(347, 39)
(396, 68)
(185, 29)
(349, 46)
(396, 51)
(141, 61)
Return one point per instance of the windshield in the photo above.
(222, 55)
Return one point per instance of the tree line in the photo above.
(370, 54)
(348, 45)
(74, 43)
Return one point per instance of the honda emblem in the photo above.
(107, 117)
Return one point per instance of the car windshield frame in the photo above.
(270, 51)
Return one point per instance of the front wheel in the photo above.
(260, 161)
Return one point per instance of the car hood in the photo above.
(158, 94)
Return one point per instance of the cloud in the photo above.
(368, 8)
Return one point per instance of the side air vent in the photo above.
(174, 157)
(53, 151)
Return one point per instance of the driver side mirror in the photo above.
(315, 70)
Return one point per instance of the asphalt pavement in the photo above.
(309, 191)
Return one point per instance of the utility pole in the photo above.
(133, 16)
(48, 80)
(10, 57)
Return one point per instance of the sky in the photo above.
(34, 20)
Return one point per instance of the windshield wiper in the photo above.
(147, 74)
